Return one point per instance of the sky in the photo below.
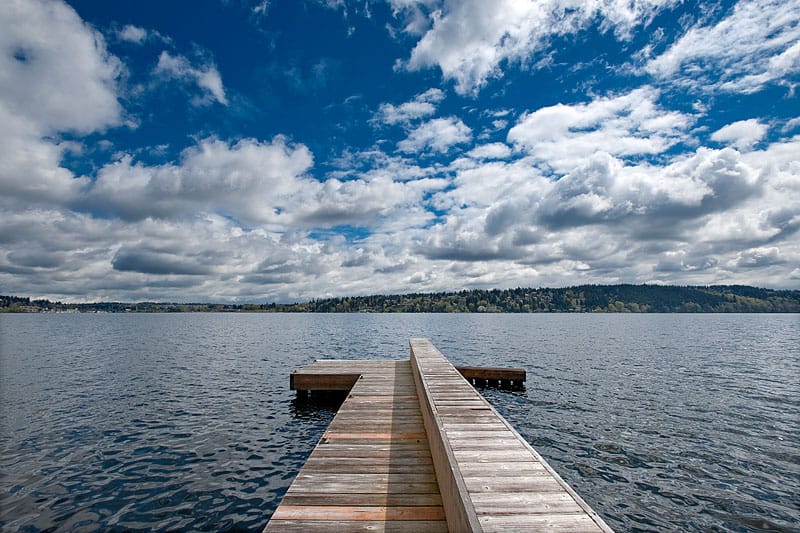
(282, 150)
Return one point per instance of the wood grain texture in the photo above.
(414, 447)
(372, 469)
(502, 483)
(326, 526)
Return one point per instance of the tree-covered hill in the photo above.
(583, 298)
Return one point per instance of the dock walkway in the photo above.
(415, 447)
(372, 469)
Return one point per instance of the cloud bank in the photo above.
(628, 184)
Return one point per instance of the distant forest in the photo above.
(580, 299)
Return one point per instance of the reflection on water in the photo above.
(141, 422)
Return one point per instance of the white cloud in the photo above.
(55, 76)
(55, 70)
(206, 76)
(486, 183)
(249, 180)
(604, 190)
(563, 136)
(256, 183)
(759, 257)
(708, 217)
(132, 34)
(436, 135)
(714, 216)
(469, 40)
(791, 124)
(490, 151)
(414, 14)
(758, 43)
(591, 192)
(423, 105)
(742, 134)
(30, 171)
(261, 8)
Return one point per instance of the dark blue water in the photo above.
(141, 422)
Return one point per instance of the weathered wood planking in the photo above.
(372, 469)
(491, 478)
(492, 375)
(339, 375)
(415, 447)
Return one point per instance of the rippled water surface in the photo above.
(141, 422)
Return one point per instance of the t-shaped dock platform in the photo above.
(415, 447)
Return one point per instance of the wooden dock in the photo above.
(414, 447)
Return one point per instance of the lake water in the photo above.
(186, 421)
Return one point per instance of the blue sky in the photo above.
(282, 150)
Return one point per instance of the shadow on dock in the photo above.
(310, 406)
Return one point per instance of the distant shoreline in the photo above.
(578, 299)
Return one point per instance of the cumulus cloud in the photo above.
(423, 105)
(55, 70)
(603, 190)
(490, 151)
(437, 135)
(205, 76)
(608, 220)
(612, 189)
(684, 261)
(757, 44)
(632, 124)
(706, 217)
(742, 134)
(469, 40)
(248, 179)
(132, 34)
(255, 183)
(30, 172)
(55, 76)
(137, 35)
(414, 14)
(759, 257)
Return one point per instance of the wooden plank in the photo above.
(326, 526)
(480, 443)
(556, 504)
(331, 382)
(352, 460)
(491, 456)
(483, 372)
(331, 512)
(385, 437)
(399, 450)
(427, 477)
(370, 499)
(502, 469)
(573, 523)
(365, 488)
(388, 467)
(377, 428)
(538, 482)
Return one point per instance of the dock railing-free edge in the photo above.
(459, 511)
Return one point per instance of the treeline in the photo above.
(16, 304)
(580, 299)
